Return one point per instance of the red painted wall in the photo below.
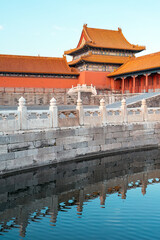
(98, 79)
(38, 82)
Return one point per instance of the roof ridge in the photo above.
(85, 30)
(65, 59)
(120, 31)
(104, 29)
(150, 54)
(27, 56)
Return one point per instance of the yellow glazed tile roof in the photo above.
(103, 38)
(34, 64)
(146, 62)
(100, 59)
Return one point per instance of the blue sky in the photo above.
(49, 27)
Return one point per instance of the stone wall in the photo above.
(110, 97)
(35, 96)
(151, 102)
(42, 96)
(24, 150)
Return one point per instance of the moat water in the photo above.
(114, 197)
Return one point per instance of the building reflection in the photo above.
(30, 196)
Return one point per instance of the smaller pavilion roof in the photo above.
(35, 64)
(103, 38)
(143, 63)
(99, 59)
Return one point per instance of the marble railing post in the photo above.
(53, 113)
(79, 107)
(144, 110)
(124, 111)
(103, 111)
(22, 110)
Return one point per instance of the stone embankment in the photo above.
(24, 150)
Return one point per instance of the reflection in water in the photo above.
(31, 196)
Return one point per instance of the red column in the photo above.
(139, 89)
(141, 79)
(146, 85)
(155, 82)
(134, 84)
(113, 85)
(122, 85)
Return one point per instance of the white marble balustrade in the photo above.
(24, 119)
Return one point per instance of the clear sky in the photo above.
(49, 27)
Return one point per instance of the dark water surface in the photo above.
(114, 197)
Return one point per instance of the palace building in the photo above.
(100, 52)
(102, 57)
(141, 74)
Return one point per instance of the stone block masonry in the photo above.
(151, 102)
(38, 96)
(34, 148)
